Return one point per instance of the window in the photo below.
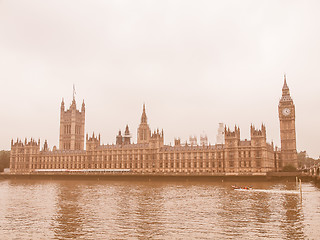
(231, 164)
(258, 163)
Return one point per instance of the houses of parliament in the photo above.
(149, 155)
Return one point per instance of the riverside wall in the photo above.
(271, 176)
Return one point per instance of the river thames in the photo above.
(69, 209)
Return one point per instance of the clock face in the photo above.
(286, 111)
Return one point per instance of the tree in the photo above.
(4, 160)
(304, 161)
(289, 168)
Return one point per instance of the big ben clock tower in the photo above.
(286, 110)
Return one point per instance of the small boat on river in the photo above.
(241, 188)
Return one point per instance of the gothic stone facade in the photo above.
(151, 155)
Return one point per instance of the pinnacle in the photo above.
(285, 86)
(144, 115)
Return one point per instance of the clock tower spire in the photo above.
(286, 110)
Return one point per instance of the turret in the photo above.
(156, 139)
(258, 137)
(127, 136)
(92, 142)
(232, 138)
(83, 108)
(258, 133)
(232, 143)
(177, 142)
(119, 138)
(62, 105)
(45, 146)
(229, 133)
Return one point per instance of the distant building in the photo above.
(193, 140)
(220, 135)
(203, 140)
(230, 155)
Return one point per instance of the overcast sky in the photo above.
(193, 63)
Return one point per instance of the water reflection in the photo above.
(140, 211)
(69, 218)
(293, 222)
(157, 210)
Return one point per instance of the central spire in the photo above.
(144, 132)
(144, 115)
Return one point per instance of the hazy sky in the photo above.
(194, 64)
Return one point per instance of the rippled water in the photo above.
(34, 209)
